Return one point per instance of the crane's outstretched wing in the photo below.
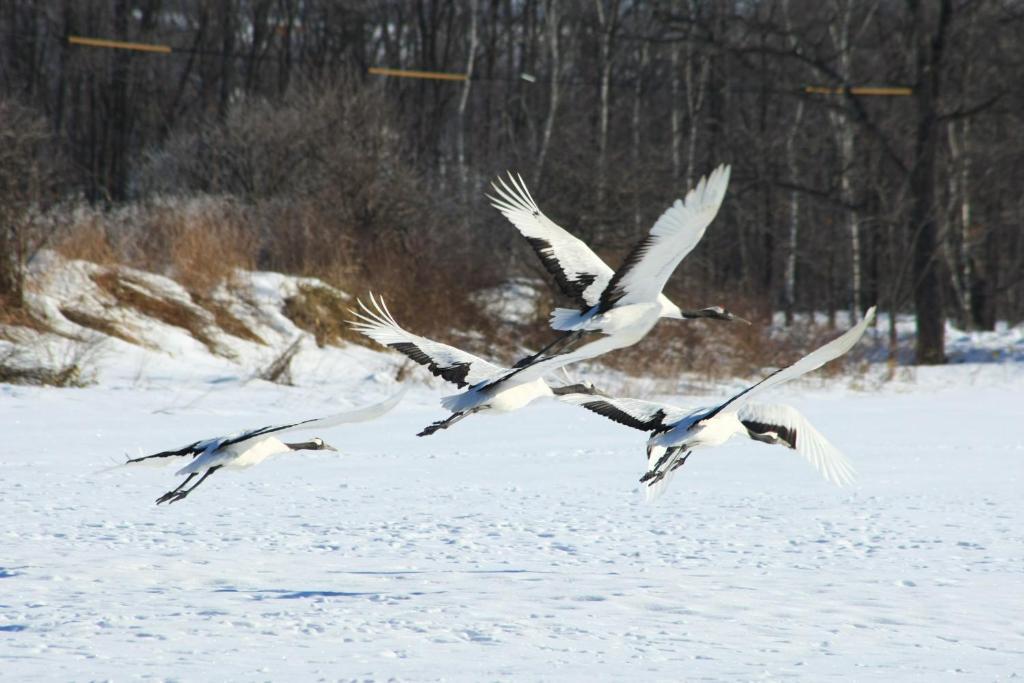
(447, 362)
(811, 361)
(785, 425)
(648, 266)
(199, 447)
(540, 368)
(579, 272)
(647, 416)
(364, 414)
(189, 451)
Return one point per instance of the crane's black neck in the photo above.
(577, 389)
(305, 446)
(716, 313)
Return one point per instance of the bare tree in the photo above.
(28, 178)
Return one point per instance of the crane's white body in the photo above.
(630, 323)
(484, 392)
(505, 398)
(519, 396)
(697, 434)
(237, 456)
(622, 305)
(676, 432)
(583, 275)
(251, 447)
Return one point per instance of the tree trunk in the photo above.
(696, 86)
(843, 127)
(551, 28)
(930, 346)
(635, 151)
(958, 248)
(463, 101)
(792, 238)
(227, 59)
(676, 123)
(609, 22)
(844, 133)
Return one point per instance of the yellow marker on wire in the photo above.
(405, 73)
(882, 91)
(118, 44)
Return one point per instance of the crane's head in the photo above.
(591, 389)
(314, 444)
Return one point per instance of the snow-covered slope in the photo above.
(135, 327)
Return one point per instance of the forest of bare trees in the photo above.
(876, 145)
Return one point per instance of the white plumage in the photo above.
(676, 432)
(459, 367)
(623, 305)
(251, 447)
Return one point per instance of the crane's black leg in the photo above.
(446, 423)
(558, 344)
(181, 494)
(170, 494)
(656, 474)
(682, 461)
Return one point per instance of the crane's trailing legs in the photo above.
(170, 494)
(551, 349)
(178, 494)
(447, 422)
(655, 473)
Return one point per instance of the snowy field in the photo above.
(507, 548)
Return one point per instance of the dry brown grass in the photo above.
(279, 370)
(200, 245)
(101, 325)
(322, 313)
(198, 242)
(18, 316)
(428, 287)
(67, 376)
(129, 292)
(87, 240)
(73, 370)
(226, 320)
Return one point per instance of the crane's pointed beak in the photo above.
(329, 447)
(736, 318)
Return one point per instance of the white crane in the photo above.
(677, 432)
(251, 447)
(623, 304)
(461, 368)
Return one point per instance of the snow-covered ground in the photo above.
(507, 548)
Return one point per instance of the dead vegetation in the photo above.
(323, 313)
(199, 242)
(279, 370)
(19, 317)
(226, 320)
(72, 369)
(132, 293)
(101, 325)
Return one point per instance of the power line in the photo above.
(871, 91)
(118, 44)
(429, 75)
